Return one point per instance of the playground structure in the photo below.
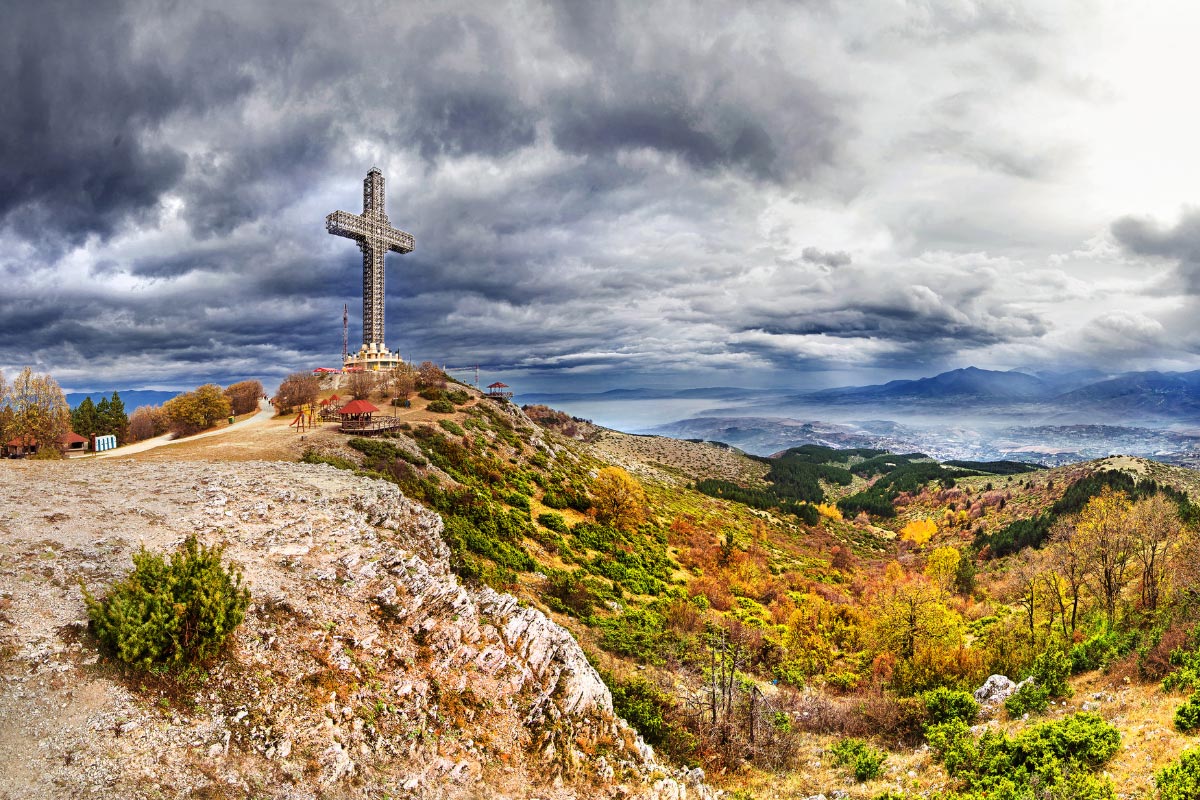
(305, 419)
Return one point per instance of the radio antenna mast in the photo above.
(345, 332)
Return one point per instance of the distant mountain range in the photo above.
(959, 384)
(132, 398)
(703, 393)
(1133, 398)
(1152, 399)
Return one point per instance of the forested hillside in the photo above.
(828, 613)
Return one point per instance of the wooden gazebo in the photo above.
(357, 419)
(499, 391)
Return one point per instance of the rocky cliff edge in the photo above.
(363, 669)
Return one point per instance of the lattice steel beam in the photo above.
(375, 237)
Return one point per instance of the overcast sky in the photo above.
(792, 194)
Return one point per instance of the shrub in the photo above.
(554, 522)
(516, 500)
(450, 426)
(864, 761)
(1180, 780)
(1186, 663)
(1051, 670)
(639, 633)
(1055, 757)
(569, 593)
(441, 407)
(170, 612)
(1031, 698)
(1098, 651)
(1187, 716)
(456, 396)
(947, 705)
(640, 703)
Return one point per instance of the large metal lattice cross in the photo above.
(375, 236)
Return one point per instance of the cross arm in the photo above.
(354, 226)
(343, 223)
(397, 241)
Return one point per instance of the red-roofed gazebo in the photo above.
(356, 419)
(357, 409)
(499, 390)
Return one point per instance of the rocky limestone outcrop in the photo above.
(364, 667)
(994, 691)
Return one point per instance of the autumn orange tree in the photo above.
(617, 499)
(196, 411)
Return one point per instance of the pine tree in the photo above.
(170, 612)
(102, 411)
(83, 418)
(115, 422)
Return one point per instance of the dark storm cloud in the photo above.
(1180, 242)
(715, 107)
(80, 149)
(593, 186)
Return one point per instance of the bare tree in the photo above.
(146, 422)
(244, 396)
(429, 376)
(297, 389)
(361, 385)
(401, 381)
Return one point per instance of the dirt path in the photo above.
(265, 413)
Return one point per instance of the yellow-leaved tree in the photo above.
(942, 567)
(36, 412)
(1104, 535)
(617, 499)
(910, 615)
(919, 531)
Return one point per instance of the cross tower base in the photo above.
(372, 358)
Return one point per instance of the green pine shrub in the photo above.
(1051, 670)
(1057, 758)
(170, 612)
(450, 426)
(864, 761)
(1187, 716)
(1032, 698)
(944, 704)
(1180, 780)
(554, 522)
(441, 407)
(457, 396)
